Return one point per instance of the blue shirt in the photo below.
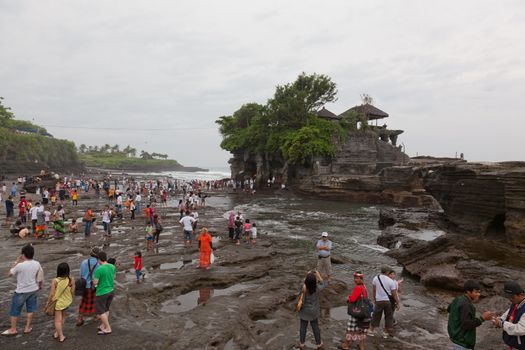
(84, 269)
(328, 244)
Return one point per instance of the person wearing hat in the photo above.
(87, 269)
(513, 321)
(324, 265)
(462, 319)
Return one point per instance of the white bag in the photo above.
(212, 258)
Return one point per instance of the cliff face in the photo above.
(28, 153)
(488, 200)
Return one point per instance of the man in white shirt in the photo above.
(385, 299)
(187, 224)
(34, 215)
(29, 276)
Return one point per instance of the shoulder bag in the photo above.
(300, 301)
(50, 307)
(80, 283)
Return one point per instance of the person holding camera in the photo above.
(310, 308)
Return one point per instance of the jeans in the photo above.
(378, 313)
(87, 228)
(458, 347)
(20, 299)
(315, 329)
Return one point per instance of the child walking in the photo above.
(138, 266)
(254, 233)
(62, 289)
(149, 236)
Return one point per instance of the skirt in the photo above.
(354, 333)
(87, 304)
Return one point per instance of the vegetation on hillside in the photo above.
(24, 143)
(288, 124)
(112, 157)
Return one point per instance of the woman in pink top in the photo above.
(247, 230)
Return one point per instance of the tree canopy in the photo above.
(288, 123)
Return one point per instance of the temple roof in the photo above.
(368, 110)
(325, 113)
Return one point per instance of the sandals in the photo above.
(27, 331)
(7, 333)
(101, 332)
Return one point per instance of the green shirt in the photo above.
(105, 275)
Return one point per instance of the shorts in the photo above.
(18, 301)
(324, 266)
(187, 235)
(149, 238)
(10, 213)
(103, 302)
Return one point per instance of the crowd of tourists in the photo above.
(131, 199)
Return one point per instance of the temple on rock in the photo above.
(365, 151)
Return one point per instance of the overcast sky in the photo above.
(450, 73)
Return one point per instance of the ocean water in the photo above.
(212, 174)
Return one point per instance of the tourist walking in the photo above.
(462, 319)
(205, 249)
(88, 220)
(324, 264)
(356, 328)
(9, 209)
(137, 265)
(61, 295)
(231, 224)
(187, 227)
(310, 309)
(87, 269)
(29, 276)
(157, 228)
(238, 228)
(104, 279)
(385, 300)
(106, 220)
(513, 320)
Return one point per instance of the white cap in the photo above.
(324, 234)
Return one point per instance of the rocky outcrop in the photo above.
(487, 200)
(394, 186)
(443, 260)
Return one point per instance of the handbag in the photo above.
(50, 307)
(300, 301)
(80, 283)
(360, 309)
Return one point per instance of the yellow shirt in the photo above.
(63, 294)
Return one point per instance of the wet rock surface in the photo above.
(444, 261)
(246, 300)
